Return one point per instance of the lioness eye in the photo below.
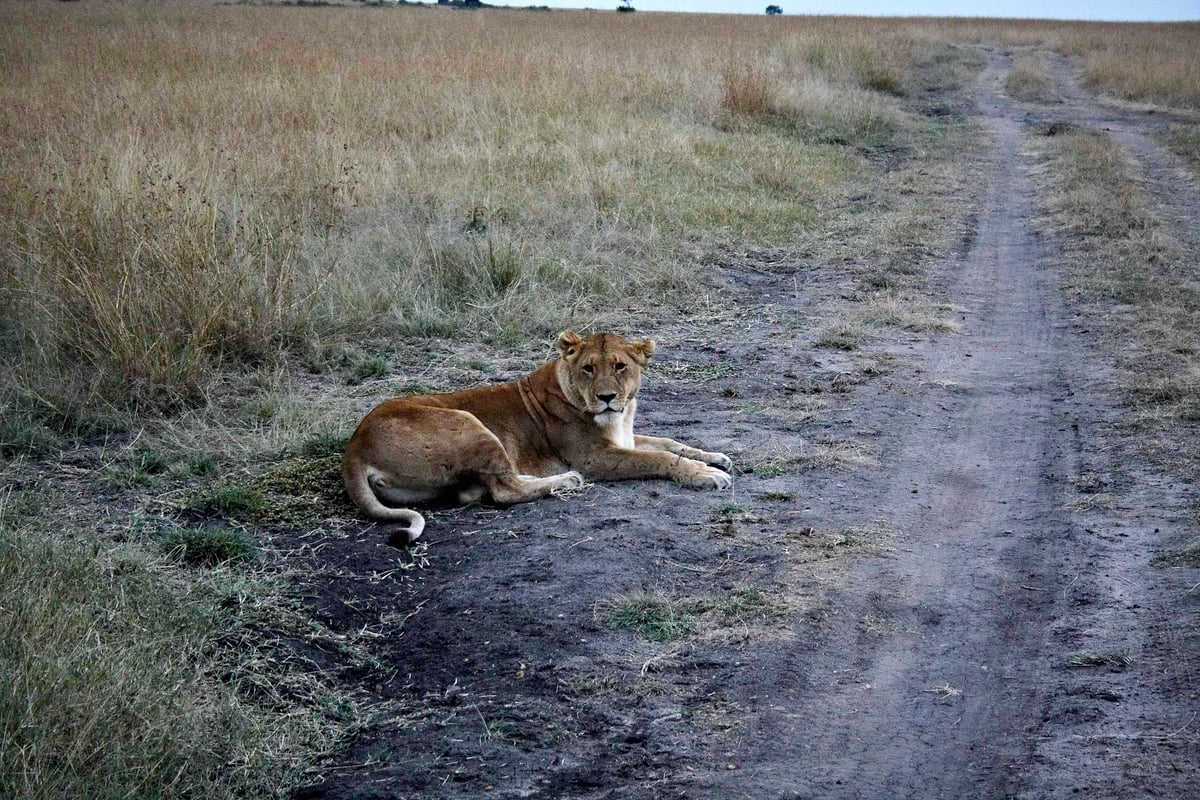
(619, 366)
(589, 369)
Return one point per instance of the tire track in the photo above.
(944, 672)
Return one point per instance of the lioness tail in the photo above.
(358, 486)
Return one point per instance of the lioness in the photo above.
(572, 415)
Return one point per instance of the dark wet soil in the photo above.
(941, 617)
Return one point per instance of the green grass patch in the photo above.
(744, 605)
(208, 546)
(20, 437)
(299, 489)
(304, 490)
(365, 369)
(653, 616)
(324, 445)
(145, 467)
(660, 617)
(843, 335)
(201, 465)
(236, 501)
(18, 505)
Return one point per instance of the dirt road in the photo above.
(947, 622)
(961, 686)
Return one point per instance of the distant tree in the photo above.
(628, 7)
(774, 11)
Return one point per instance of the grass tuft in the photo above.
(655, 616)
(209, 546)
(20, 438)
(749, 90)
(365, 369)
(843, 335)
(1029, 79)
(235, 501)
(661, 617)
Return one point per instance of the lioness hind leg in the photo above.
(470, 494)
(513, 488)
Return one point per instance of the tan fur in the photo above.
(572, 415)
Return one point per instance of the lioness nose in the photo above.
(607, 397)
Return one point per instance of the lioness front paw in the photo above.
(720, 478)
(719, 460)
(706, 477)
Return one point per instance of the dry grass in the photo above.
(1150, 62)
(841, 335)
(309, 174)
(748, 89)
(125, 678)
(1135, 283)
(1185, 140)
(907, 310)
(899, 310)
(199, 197)
(374, 175)
(824, 454)
(807, 546)
(1125, 255)
(1029, 79)
(664, 617)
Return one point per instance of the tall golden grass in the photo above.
(1155, 63)
(193, 188)
(1150, 62)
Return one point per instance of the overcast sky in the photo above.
(1043, 9)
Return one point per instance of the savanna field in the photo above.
(227, 230)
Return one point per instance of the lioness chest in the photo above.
(618, 428)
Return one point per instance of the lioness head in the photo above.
(601, 373)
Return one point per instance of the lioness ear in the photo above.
(643, 349)
(568, 343)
